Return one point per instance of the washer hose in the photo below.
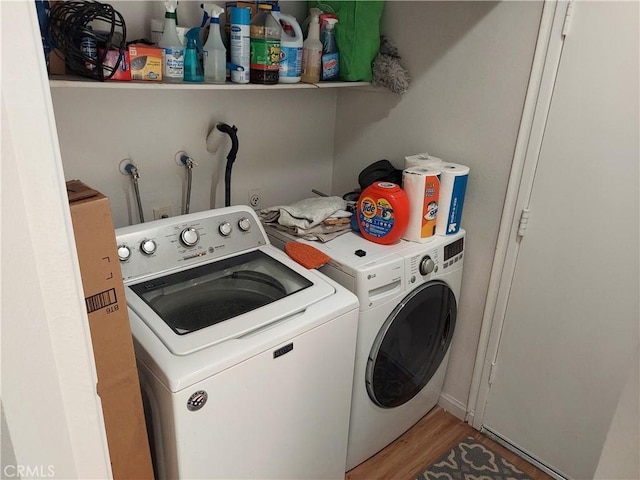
(231, 157)
(132, 170)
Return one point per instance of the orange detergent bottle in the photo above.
(383, 212)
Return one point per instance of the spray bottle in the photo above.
(330, 54)
(172, 48)
(312, 50)
(192, 66)
(215, 53)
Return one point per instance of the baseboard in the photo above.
(453, 406)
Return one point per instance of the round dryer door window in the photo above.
(411, 345)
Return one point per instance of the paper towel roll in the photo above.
(421, 160)
(422, 186)
(453, 186)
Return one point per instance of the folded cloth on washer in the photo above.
(321, 233)
(304, 214)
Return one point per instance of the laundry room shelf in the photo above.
(79, 82)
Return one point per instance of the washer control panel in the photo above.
(158, 246)
(422, 263)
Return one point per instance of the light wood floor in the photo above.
(423, 444)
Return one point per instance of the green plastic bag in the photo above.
(357, 35)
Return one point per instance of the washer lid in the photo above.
(208, 304)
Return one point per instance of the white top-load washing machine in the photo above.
(245, 357)
(408, 295)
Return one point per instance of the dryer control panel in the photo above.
(445, 254)
(176, 242)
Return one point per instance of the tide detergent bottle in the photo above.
(383, 212)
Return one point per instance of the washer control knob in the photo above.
(124, 253)
(189, 237)
(245, 224)
(225, 229)
(148, 247)
(427, 265)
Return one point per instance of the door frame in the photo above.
(52, 422)
(554, 27)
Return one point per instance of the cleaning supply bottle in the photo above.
(330, 54)
(172, 48)
(312, 50)
(239, 43)
(193, 71)
(291, 44)
(214, 52)
(265, 47)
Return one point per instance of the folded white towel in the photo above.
(304, 214)
(320, 233)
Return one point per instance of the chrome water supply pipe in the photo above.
(186, 161)
(214, 138)
(127, 167)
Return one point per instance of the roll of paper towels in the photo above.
(422, 186)
(421, 160)
(453, 186)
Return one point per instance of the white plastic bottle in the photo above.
(214, 51)
(291, 47)
(172, 48)
(312, 50)
(240, 39)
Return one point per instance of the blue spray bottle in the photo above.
(193, 71)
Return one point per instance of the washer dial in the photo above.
(225, 229)
(148, 247)
(124, 253)
(427, 265)
(244, 224)
(189, 237)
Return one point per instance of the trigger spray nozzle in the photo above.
(211, 11)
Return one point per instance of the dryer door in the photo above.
(411, 345)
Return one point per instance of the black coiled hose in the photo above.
(72, 22)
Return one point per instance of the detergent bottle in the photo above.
(383, 212)
(291, 45)
(192, 66)
(214, 52)
(172, 48)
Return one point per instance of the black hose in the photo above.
(231, 157)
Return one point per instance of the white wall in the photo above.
(470, 63)
(285, 138)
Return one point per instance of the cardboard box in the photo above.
(145, 62)
(118, 383)
(111, 58)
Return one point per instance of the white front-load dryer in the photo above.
(408, 294)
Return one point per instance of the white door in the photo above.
(570, 331)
